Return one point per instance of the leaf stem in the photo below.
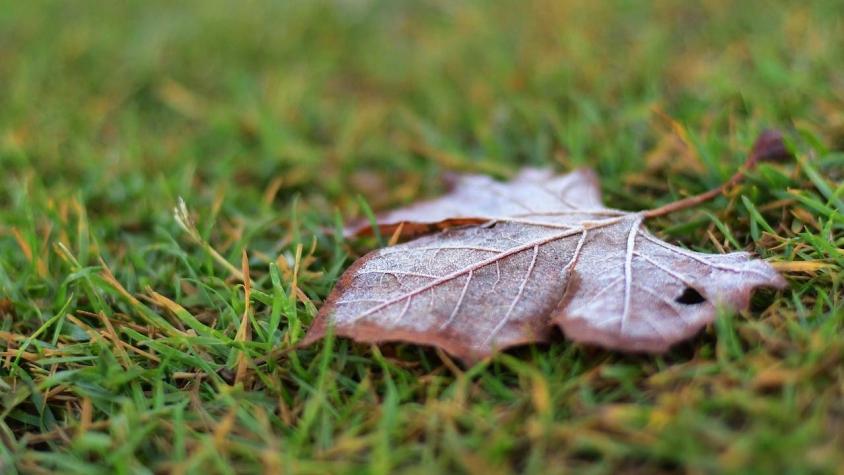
(769, 146)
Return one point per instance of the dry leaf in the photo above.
(475, 199)
(547, 252)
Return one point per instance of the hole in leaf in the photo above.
(690, 296)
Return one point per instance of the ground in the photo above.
(123, 347)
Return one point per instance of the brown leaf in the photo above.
(547, 252)
(475, 199)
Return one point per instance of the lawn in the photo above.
(129, 343)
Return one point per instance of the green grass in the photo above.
(119, 342)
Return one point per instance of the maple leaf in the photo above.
(540, 250)
(475, 199)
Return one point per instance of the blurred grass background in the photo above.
(121, 349)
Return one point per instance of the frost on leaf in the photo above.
(534, 195)
(536, 251)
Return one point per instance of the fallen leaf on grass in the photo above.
(475, 199)
(540, 250)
